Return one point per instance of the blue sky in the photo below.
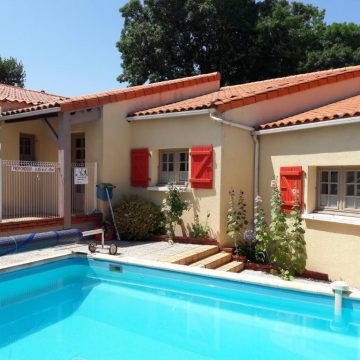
(68, 46)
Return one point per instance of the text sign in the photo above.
(81, 176)
(33, 169)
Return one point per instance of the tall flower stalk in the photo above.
(236, 217)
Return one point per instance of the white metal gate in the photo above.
(30, 190)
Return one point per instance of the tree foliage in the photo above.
(12, 72)
(246, 40)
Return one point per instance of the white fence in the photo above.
(30, 190)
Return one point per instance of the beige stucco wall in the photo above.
(45, 146)
(175, 133)
(331, 247)
(237, 172)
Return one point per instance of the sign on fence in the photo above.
(81, 176)
(33, 169)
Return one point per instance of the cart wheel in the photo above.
(113, 249)
(92, 247)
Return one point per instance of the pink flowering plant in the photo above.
(286, 237)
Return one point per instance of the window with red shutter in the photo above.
(201, 167)
(290, 180)
(140, 167)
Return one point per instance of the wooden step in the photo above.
(233, 266)
(214, 261)
(193, 255)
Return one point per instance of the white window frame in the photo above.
(176, 163)
(340, 209)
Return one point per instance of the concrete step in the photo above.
(193, 255)
(233, 266)
(213, 261)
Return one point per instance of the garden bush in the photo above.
(199, 230)
(173, 207)
(138, 219)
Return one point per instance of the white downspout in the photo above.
(256, 165)
(256, 150)
(231, 123)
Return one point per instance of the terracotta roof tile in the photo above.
(340, 109)
(80, 102)
(240, 95)
(31, 108)
(30, 97)
(91, 100)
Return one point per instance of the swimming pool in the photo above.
(90, 309)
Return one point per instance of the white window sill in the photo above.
(164, 188)
(339, 219)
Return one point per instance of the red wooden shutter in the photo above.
(140, 167)
(201, 167)
(290, 179)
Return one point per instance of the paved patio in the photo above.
(141, 250)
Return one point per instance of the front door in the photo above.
(78, 160)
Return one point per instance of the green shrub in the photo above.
(199, 230)
(138, 219)
(173, 207)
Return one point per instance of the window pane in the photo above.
(163, 177)
(171, 166)
(334, 176)
(350, 190)
(182, 167)
(324, 176)
(183, 176)
(357, 203)
(163, 167)
(350, 177)
(358, 177)
(323, 200)
(333, 201)
(358, 190)
(333, 189)
(164, 157)
(324, 188)
(349, 202)
(171, 157)
(182, 156)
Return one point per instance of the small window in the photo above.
(174, 166)
(352, 190)
(27, 147)
(329, 197)
(339, 189)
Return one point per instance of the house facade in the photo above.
(300, 130)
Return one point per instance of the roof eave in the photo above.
(170, 115)
(30, 114)
(308, 126)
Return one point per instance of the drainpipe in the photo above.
(256, 149)
(231, 123)
(256, 166)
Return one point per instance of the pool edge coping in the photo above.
(262, 279)
(317, 288)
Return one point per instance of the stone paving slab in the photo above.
(142, 250)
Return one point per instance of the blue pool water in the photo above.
(83, 309)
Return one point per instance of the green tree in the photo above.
(165, 39)
(12, 72)
(246, 40)
(286, 32)
(339, 46)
